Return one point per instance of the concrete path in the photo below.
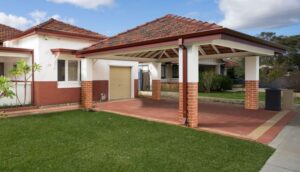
(287, 144)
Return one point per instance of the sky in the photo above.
(110, 17)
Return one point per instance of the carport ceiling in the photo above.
(204, 50)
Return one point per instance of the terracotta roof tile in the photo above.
(59, 26)
(7, 32)
(166, 26)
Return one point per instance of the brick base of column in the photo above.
(192, 108)
(251, 95)
(192, 105)
(136, 88)
(87, 94)
(181, 117)
(156, 87)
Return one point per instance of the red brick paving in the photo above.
(227, 118)
(268, 136)
(232, 118)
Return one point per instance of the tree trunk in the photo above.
(25, 90)
(16, 90)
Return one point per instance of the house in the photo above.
(53, 44)
(81, 66)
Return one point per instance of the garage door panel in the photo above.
(120, 83)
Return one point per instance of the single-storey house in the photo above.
(79, 65)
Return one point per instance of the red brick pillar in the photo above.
(192, 107)
(136, 88)
(156, 88)
(188, 94)
(252, 82)
(87, 94)
(87, 83)
(251, 95)
(181, 117)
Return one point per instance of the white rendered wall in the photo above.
(21, 94)
(101, 70)
(192, 64)
(48, 61)
(208, 61)
(155, 71)
(42, 46)
(252, 68)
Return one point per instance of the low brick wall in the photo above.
(170, 87)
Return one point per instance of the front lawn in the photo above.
(98, 141)
(239, 95)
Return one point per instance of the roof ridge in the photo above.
(10, 27)
(56, 20)
(139, 26)
(187, 19)
(173, 16)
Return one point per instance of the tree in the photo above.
(22, 69)
(292, 44)
(15, 73)
(5, 88)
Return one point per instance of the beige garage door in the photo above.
(120, 83)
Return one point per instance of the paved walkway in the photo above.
(287, 144)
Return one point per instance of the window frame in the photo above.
(174, 74)
(2, 72)
(163, 71)
(67, 83)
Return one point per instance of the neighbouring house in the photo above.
(170, 71)
(81, 66)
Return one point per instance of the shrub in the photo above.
(226, 83)
(217, 83)
(212, 82)
(207, 80)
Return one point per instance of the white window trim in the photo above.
(67, 83)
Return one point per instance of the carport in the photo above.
(183, 40)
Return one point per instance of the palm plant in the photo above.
(23, 69)
(5, 88)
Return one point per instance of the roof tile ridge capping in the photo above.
(139, 26)
(9, 27)
(192, 20)
(129, 30)
(155, 20)
(94, 44)
(54, 20)
(41, 25)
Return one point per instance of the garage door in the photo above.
(120, 83)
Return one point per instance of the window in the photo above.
(163, 71)
(175, 71)
(68, 73)
(73, 70)
(1, 69)
(61, 72)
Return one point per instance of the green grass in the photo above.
(237, 95)
(98, 141)
(230, 95)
